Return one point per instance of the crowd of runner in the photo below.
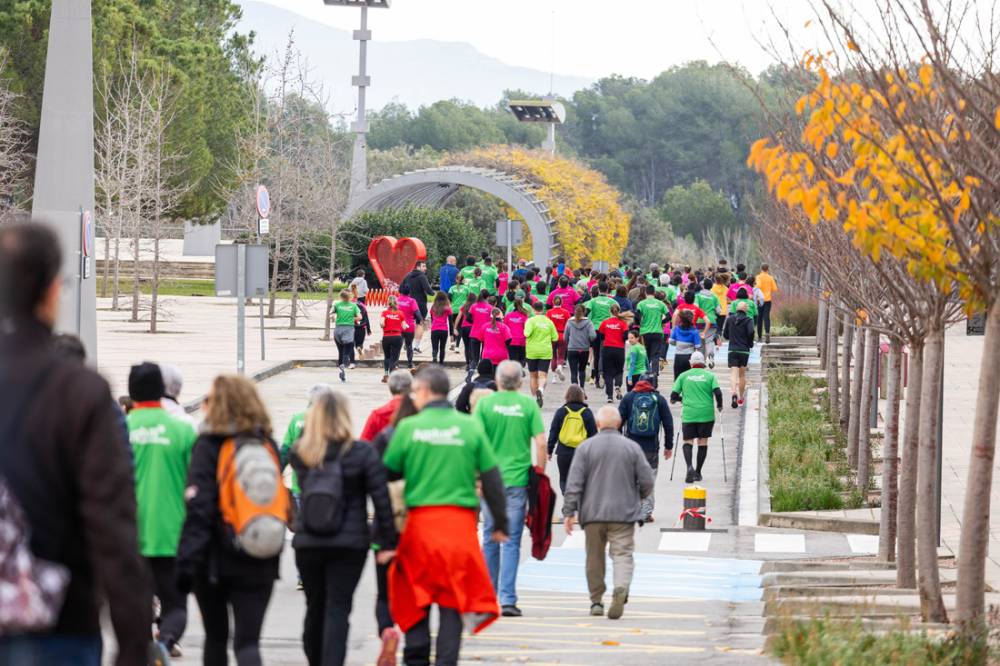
(143, 504)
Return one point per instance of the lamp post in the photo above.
(547, 111)
(359, 157)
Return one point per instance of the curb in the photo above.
(819, 523)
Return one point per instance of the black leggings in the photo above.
(439, 343)
(329, 577)
(173, 604)
(516, 353)
(564, 458)
(345, 353)
(359, 342)
(408, 342)
(654, 351)
(595, 346)
(682, 363)
(577, 359)
(382, 614)
(764, 319)
(248, 600)
(613, 364)
(391, 346)
(467, 343)
(475, 352)
(449, 640)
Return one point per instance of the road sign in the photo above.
(516, 234)
(976, 324)
(87, 242)
(255, 279)
(263, 202)
(263, 226)
(600, 266)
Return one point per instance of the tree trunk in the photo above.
(155, 284)
(106, 269)
(906, 510)
(974, 544)
(857, 386)
(274, 273)
(330, 277)
(296, 276)
(832, 369)
(890, 454)
(845, 376)
(864, 414)
(929, 581)
(135, 276)
(820, 330)
(115, 283)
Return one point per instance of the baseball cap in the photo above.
(697, 358)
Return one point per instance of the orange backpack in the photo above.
(253, 499)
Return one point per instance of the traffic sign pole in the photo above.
(241, 306)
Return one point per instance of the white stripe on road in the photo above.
(779, 543)
(575, 540)
(688, 542)
(863, 544)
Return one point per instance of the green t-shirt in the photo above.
(539, 333)
(458, 293)
(292, 434)
(672, 293)
(490, 278)
(510, 420)
(751, 306)
(652, 311)
(468, 272)
(440, 453)
(638, 361)
(161, 447)
(476, 285)
(709, 303)
(345, 313)
(697, 389)
(599, 309)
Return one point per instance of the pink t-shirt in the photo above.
(480, 313)
(504, 280)
(408, 307)
(569, 297)
(515, 322)
(440, 322)
(734, 289)
(495, 343)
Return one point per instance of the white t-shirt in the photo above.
(360, 286)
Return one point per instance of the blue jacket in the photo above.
(447, 275)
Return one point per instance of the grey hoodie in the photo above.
(579, 334)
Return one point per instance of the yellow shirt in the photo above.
(767, 285)
(720, 292)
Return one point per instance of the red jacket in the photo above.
(380, 418)
(541, 506)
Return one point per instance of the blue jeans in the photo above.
(51, 650)
(502, 559)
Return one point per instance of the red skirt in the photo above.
(439, 561)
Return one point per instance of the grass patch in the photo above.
(820, 642)
(207, 288)
(805, 466)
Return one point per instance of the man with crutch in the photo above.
(695, 389)
(644, 412)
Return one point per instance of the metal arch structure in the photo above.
(433, 188)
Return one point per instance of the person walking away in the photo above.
(362, 329)
(419, 289)
(484, 381)
(709, 304)
(768, 288)
(458, 293)
(399, 384)
(571, 425)
(560, 316)
(512, 423)
(448, 274)
(468, 271)
(599, 309)
(496, 337)
(686, 338)
(687, 302)
(515, 321)
(463, 330)
(637, 363)
(346, 315)
(161, 450)
(490, 276)
(337, 475)
(173, 383)
(743, 296)
(652, 314)
(621, 297)
(721, 289)
(476, 282)
(411, 310)
(695, 389)
(739, 332)
(359, 286)
(539, 334)
(440, 453)
(440, 314)
(579, 334)
(644, 413)
(393, 325)
(65, 468)
(607, 481)
(503, 277)
(613, 330)
(231, 570)
(481, 314)
(566, 292)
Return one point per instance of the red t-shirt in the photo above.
(699, 314)
(559, 317)
(392, 323)
(614, 331)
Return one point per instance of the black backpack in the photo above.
(322, 506)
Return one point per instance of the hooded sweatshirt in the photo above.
(648, 444)
(579, 334)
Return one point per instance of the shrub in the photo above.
(798, 313)
(783, 330)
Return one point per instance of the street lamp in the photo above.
(540, 111)
(359, 158)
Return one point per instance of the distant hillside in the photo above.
(412, 72)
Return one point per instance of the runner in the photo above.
(490, 276)
(686, 338)
(440, 453)
(566, 292)
(359, 286)
(469, 270)
(458, 293)
(408, 306)
(580, 333)
(768, 287)
(503, 277)
(480, 313)
(652, 314)
(496, 337)
(419, 290)
(739, 332)
(515, 321)
(347, 316)
(361, 330)
(709, 304)
(644, 412)
(720, 289)
(393, 326)
(559, 316)
(571, 425)
(637, 363)
(599, 309)
(743, 296)
(695, 389)
(613, 330)
(441, 318)
(447, 274)
(539, 333)
(484, 381)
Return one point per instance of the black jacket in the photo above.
(739, 331)
(557, 423)
(420, 287)
(666, 422)
(205, 551)
(480, 382)
(70, 473)
(364, 477)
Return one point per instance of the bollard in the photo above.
(694, 508)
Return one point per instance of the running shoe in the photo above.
(597, 610)
(559, 373)
(618, 394)
(690, 476)
(697, 475)
(416, 349)
(711, 361)
(385, 379)
(390, 642)
(735, 402)
(175, 651)
(352, 366)
(539, 397)
(511, 611)
(618, 599)
(611, 401)
(343, 374)
(740, 402)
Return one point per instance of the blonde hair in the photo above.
(236, 407)
(327, 421)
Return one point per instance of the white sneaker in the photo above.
(559, 373)
(353, 366)
(416, 349)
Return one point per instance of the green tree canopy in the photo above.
(694, 210)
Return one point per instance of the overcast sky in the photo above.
(592, 38)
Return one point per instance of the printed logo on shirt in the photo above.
(439, 436)
(155, 435)
(508, 410)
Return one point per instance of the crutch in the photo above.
(673, 458)
(722, 433)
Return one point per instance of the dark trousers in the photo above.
(764, 319)
(391, 346)
(345, 353)
(449, 640)
(612, 365)
(359, 342)
(451, 329)
(408, 343)
(439, 343)
(516, 353)
(654, 351)
(329, 577)
(248, 600)
(382, 614)
(595, 347)
(467, 343)
(682, 363)
(577, 359)
(173, 603)
(564, 458)
(475, 352)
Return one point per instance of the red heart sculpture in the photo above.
(393, 259)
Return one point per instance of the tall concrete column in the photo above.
(64, 171)
(359, 158)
